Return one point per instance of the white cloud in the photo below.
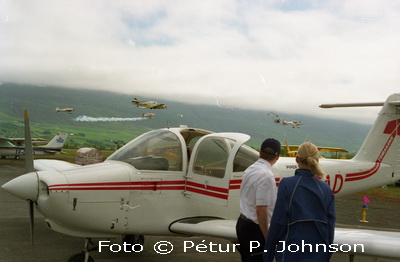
(278, 56)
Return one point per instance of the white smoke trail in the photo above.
(107, 119)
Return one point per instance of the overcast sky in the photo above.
(280, 56)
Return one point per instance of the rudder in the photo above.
(382, 142)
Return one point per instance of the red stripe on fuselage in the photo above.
(155, 185)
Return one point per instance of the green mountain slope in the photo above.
(42, 101)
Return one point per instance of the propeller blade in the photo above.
(28, 145)
(31, 219)
(29, 167)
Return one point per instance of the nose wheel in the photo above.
(84, 256)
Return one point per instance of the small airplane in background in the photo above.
(148, 104)
(149, 115)
(292, 123)
(8, 148)
(67, 109)
(21, 141)
(277, 120)
(291, 150)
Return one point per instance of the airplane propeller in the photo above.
(29, 168)
(31, 219)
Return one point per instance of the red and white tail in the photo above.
(381, 145)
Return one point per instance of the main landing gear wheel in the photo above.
(80, 258)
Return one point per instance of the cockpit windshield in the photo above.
(156, 150)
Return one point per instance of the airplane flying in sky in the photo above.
(186, 181)
(67, 109)
(149, 115)
(16, 148)
(292, 123)
(148, 104)
(277, 120)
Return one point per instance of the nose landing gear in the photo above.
(84, 256)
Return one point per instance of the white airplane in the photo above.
(186, 181)
(148, 104)
(277, 120)
(292, 123)
(7, 148)
(67, 109)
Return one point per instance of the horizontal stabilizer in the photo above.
(351, 105)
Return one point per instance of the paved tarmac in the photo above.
(50, 246)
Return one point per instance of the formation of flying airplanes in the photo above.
(186, 181)
(16, 147)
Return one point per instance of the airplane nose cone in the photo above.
(24, 187)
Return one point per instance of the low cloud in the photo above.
(286, 56)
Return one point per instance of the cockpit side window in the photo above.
(244, 158)
(212, 156)
(156, 150)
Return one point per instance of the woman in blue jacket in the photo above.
(303, 222)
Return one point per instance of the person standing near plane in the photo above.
(303, 222)
(257, 200)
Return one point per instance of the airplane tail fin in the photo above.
(382, 142)
(58, 141)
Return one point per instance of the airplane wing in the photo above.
(52, 164)
(376, 242)
(332, 149)
(12, 139)
(159, 106)
(320, 148)
(17, 139)
(51, 151)
(292, 148)
(201, 226)
(367, 242)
